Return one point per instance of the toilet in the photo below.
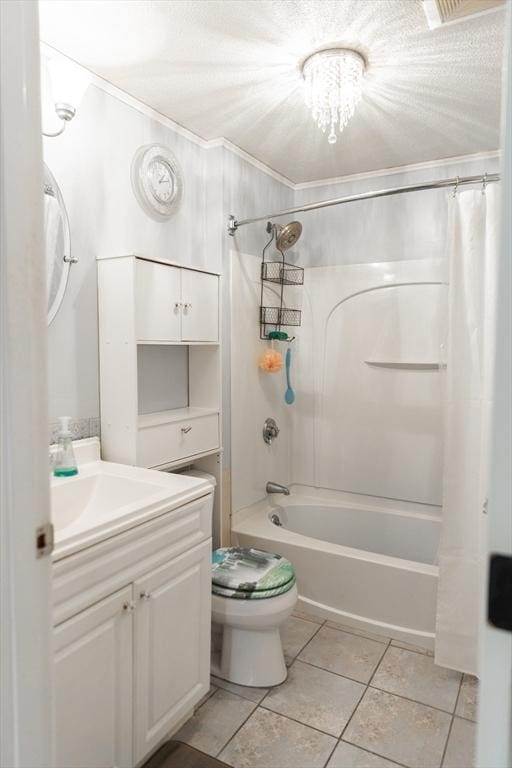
(253, 593)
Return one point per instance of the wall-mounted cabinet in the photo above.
(175, 304)
(160, 364)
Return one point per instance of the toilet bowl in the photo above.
(253, 594)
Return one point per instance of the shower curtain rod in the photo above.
(458, 181)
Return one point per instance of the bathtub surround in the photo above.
(471, 325)
(369, 244)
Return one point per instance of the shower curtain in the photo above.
(472, 258)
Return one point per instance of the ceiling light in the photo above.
(334, 80)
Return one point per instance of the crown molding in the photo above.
(396, 169)
(118, 93)
(243, 155)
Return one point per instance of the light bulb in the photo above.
(68, 82)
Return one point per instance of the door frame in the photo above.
(25, 671)
(494, 742)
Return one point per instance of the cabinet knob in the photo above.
(186, 430)
(145, 595)
(187, 306)
(128, 606)
(177, 305)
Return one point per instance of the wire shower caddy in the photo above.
(281, 273)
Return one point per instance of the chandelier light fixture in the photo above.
(334, 83)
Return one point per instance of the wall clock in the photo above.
(157, 181)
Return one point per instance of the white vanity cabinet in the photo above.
(174, 304)
(93, 686)
(133, 658)
(172, 627)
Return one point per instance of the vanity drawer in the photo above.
(164, 443)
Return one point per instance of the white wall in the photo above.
(91, 162)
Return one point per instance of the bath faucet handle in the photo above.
(270, 430)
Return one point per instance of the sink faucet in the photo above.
(277, 488)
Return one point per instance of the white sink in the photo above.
(105, 498)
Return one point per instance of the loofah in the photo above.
(271, 361)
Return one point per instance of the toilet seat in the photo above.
(246, 573)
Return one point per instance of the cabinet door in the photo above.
(93, 686)
(200, 296)
(172, 638)
(158, 302)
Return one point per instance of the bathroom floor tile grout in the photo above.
(378, 664)
(347, 723)
(332, 672)
(320, 622)
(367, 685)
(458, 694)
(251, 713)
(385, 640)
(294, 658)
(339, 739)
(451, 724)
(370, 752)
(388, 641)
(299, 722)
(462, 717)
(414, 701)
(426, 652)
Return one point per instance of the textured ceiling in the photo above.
(229, 68)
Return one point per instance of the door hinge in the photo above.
(499, 606)
(44, 540)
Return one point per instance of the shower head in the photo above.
(288, 235)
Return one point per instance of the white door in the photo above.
(25, 630)
(172, 637)
(200, 297)
(495, 710)
(93, 686)
(158, 301)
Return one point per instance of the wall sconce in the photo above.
(68, 84)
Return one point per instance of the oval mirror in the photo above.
(57, 244)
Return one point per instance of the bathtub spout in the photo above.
(277, 488)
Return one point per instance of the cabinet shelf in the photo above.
(400, 365)
(171, 417)
(159, 342)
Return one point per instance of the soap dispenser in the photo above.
(65, 462)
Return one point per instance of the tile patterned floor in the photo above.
(352, 700)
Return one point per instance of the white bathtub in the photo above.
(365, 562)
